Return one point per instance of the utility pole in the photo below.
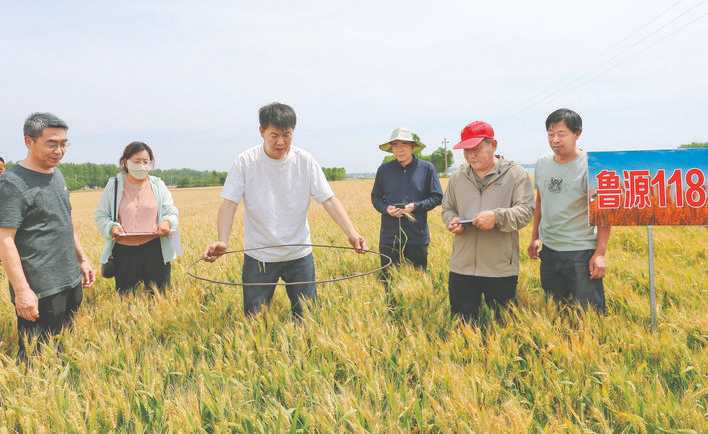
(445, 142)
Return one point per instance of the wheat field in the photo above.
(190, 362)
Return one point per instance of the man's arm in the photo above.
(88, 276)
(597, 262)
(26, 302)
(377, 193)
(521, 211)
(449, 203)
(336, 210)
(224, 225)
(449, 210)
(435, 194)
(535, 237)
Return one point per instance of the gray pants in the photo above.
(297, 270)
(566, 275)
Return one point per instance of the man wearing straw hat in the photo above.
(487, 201)
(404, 191)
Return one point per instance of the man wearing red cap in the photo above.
(487, 201)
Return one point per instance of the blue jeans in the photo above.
(297, 270)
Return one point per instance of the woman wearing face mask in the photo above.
(138, 218)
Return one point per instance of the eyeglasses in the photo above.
(53, 146)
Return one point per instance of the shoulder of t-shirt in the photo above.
(544, 159)
(10, 191)
(542, 163)
(250, 155)
(12, 177)
(302, 154)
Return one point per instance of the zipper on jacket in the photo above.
(476, 234)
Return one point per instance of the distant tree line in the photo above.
(437, 158)
(90, 175)
(694, 145)
(334, 173)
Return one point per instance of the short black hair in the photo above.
(571, 119)
(278, 115)
(132, 149)
(2, 159)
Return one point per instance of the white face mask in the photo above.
(138, 171)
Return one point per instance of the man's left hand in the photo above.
(88, 276)
(597, 266)
(485, 220)
(409, 208)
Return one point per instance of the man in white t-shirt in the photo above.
(275, 181)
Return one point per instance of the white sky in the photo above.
(188, 77)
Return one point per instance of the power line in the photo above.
(615, 60)
(605, 52)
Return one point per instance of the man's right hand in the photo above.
(27, 305)
(394, 212)
(214, 251)
(533, 248)
(455, 226)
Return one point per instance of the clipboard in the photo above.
(132, 235)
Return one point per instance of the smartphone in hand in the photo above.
(467, 222)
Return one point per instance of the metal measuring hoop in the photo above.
(337, 279)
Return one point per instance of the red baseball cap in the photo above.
(473, 134)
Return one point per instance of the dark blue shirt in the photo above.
(417, 183)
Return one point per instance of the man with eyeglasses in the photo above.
(39, 246)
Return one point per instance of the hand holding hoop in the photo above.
(214, 251)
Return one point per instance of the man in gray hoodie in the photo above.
(487, 201)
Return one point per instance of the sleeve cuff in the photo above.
(173, 223)
(499, 219)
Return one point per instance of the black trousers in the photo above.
(415, 254)
(466, 294)
(565, 276)
(55, 312)
(135, 264)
